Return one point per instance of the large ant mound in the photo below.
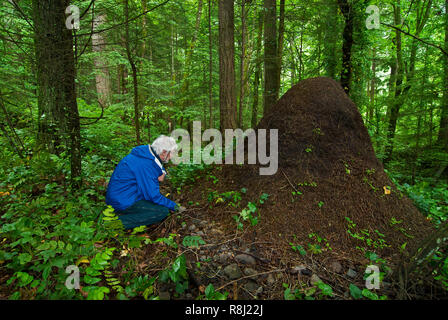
(330, 190)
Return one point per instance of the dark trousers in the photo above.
(142, 213)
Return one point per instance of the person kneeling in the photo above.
(133, 189)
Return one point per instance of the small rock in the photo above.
(244, 258)
(214, 230)
(336, 267)
(192, 227)
(270, 280)
(259, 290)
(351, 273)
(314, 279)
(252, 286)
(250, 272)
(200, 233)
(232, 271)
(223, 257)
(164, 295)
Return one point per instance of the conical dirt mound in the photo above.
(329, 185)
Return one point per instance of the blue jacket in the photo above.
(135, 179)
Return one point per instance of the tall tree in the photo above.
(210, 66)
(257, 74)
(281, 37)
(101, 69)
(134, 73)
(270, 56)
(243, 63)
(442, 138)
(57, 106)
(398, 78)
(227, 93)
(347, 35)
(330, 22)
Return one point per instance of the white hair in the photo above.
(164, 143)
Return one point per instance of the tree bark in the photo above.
(270, 55)
(58, 109)
(330, 37)
(227, 96)
(134, 74)
(442, 138)
(257, 72)
(281, 37)
(101, 69)
(210, 66)
(242, 63)
(346, 72)
(397, 101)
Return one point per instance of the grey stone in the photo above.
(351, 273)
(252, 286)
(244, 258)
(314, 279)
(192, 227)
(336, 267)
(270, 280)
(259, 290)
(223, 257)
(249, 272)
(232, 271)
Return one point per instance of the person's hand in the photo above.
(161, 178)
(178, 209)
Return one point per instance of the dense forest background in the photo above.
(75, 98)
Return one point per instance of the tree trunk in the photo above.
(134, 74)
(397, 101)
(346, 72)
(186, 76)
(210, 66)
(242, 63)
(257, 72)
(227, 96)
(101, 69)
(281, 37)
(58, 109)
(270, 55)
(442, 138)
(330, 37)
(372, 89)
